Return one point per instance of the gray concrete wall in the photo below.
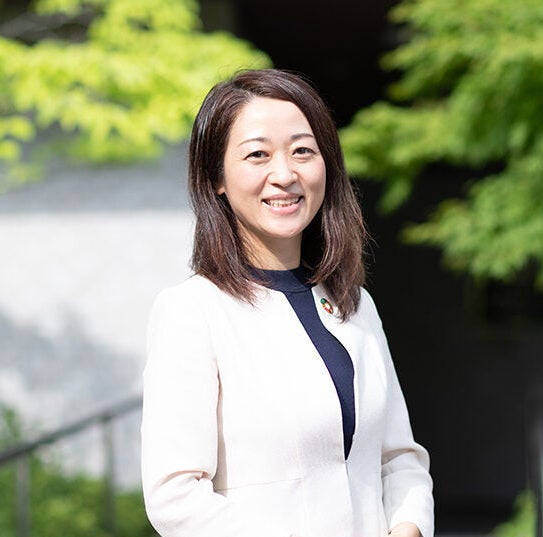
(84, 252)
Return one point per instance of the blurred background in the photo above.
(439, 107)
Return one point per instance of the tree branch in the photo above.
(30, 27)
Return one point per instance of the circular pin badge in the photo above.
(328, 308)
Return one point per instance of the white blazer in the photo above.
(242, 426)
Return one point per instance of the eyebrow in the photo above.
(293, 138)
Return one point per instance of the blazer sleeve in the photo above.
(179, 427)
(407, 485)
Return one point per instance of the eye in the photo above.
(255, 155)
(304, 151)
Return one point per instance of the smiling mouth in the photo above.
(283, 202)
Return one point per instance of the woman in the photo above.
(271, 405)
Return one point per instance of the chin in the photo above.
(286, 234)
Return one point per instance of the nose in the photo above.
(282, 171)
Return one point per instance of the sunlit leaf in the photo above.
(470, 94)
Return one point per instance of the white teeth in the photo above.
(282, 203)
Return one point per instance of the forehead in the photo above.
(264, 115)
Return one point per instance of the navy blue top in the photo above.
(295, 286)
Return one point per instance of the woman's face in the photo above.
(274, 179)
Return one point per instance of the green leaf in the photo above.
(132, 86)
(468, 94)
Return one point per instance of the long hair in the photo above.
(333, 243)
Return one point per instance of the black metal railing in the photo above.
(21, 455)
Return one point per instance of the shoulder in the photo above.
(183, 302)
(178, 333)
(189, 295)
(367, 310)
(194, 285)
(198, 299)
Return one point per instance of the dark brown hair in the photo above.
(332, 245)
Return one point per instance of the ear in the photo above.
(219, 187)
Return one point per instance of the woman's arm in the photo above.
(179, 427)
(407, 485)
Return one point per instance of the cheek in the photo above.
(241, 184)
(318, 184)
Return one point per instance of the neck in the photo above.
(275, 255)
(275, 262)
(275, 258)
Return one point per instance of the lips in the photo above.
(282, 202)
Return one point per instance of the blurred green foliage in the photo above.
(469, 94)
(61, 503)
(133, 83)
(523, 521)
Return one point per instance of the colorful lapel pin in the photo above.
(328, 308)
